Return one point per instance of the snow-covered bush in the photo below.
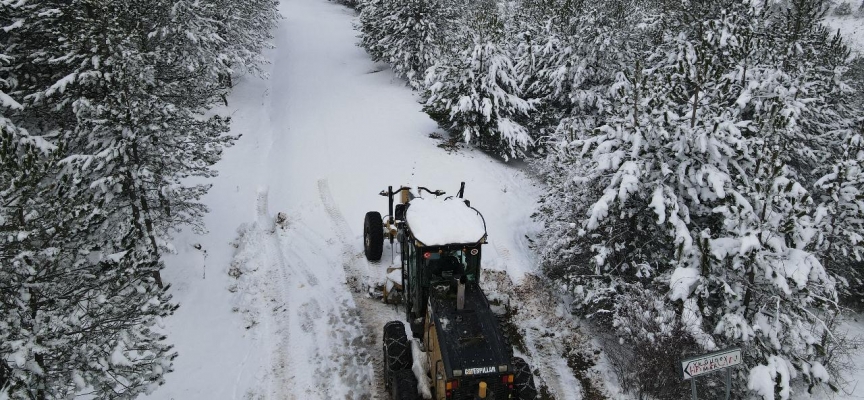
(475, 94)
(654, 334)
(458, 54)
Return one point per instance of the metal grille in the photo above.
(495, 389)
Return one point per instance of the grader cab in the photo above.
(440, 243)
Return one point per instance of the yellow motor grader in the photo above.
(441, 241)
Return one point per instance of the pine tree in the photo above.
(408, 35)
(475, 92)
(810, 53)
(110, 117)
(370, 23)
(693, 192)
(77, 313)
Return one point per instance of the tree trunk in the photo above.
(4, 372)
(40, 358)
(748, 296)
(132, 190)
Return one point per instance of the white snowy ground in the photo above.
(279, 311)
(851, 27)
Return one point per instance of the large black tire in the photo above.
(373, 236)
(404, 386)
(523, 380)
(397, 351)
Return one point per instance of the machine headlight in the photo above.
(502, 368)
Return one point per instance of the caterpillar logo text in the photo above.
(481, 370)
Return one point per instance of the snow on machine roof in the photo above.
(438, 222)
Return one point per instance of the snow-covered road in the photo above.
(278, 311)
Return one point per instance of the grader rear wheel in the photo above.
(523, 380)
(397, 352)
(404, 386)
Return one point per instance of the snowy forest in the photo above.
(703, 161)
(108, 119)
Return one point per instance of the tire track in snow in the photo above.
(358, 279)
(306, 316)
(374, 315)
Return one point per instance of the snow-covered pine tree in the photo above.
(818, 58)
(246, 29)
(546, 58)
(371, 26)
(109, 119)
(408, 35)
(840, 215)
(685, 194)
(77, 314)
(474, 92)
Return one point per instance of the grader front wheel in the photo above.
(373, 236)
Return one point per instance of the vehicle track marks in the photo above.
(358, 274)
(300, 308)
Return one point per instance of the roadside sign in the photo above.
(711, 362)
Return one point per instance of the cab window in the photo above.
(444, 264)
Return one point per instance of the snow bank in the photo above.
(438, 222)
(421, 362)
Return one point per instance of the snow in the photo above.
(657, 203)
(763, 378)
(798, 265)
(851, 27)
(6, 101)
(321, 138)
(78, 380)
(118, 358)
(61, 84)
(682, 283)
(420, 367)
(15, 25)
(819, 372)
(436, 221)
(748, 243)
(853, 328)
(724, 247)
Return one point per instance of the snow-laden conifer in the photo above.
(79, 308)
(408, 35)
(106, 113)
(691, 190)
(475, 91)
